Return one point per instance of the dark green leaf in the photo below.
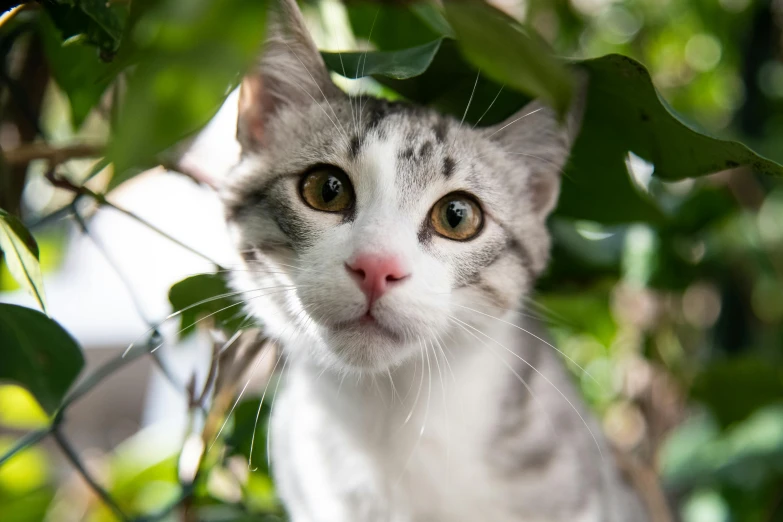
(626, 99)
(207, 295)
(77, 70)
(497, 45)
(431, 15)
(392, 27)
(38, 354)
(98, 22)
(21, 256)
(399, 65)
(625, 114)
(734, 389)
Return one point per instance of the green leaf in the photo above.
(625, 98)
(399, 65)
(207, 295)
(624, 114)
(734, 389)
(393, 27)
(190, 55)
(21, 255)
(76, 68)
(98, 22)
(38, 354)
(503, 50)
(431, 15)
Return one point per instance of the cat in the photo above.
(388, 249)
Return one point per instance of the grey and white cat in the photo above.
(388, 249)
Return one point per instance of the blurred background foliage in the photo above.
(676, 312)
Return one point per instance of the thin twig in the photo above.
(158, 231)
(210, 381)
(72, 456)
(32, 438)
(100, 199)
(101, 373)
(191, 172)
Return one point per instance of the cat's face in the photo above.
(372, 228)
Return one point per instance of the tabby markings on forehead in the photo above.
(448, 166)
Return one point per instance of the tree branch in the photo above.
(71, 455)
(24, 154)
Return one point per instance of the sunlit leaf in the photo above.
(21, 255)
(38, 354)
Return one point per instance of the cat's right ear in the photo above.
(290, 72)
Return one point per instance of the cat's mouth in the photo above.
(369, 324)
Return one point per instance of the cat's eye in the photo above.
(327, 188)
(457, 216)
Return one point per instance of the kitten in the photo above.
(388, 249)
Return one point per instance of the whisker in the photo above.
(516, 120)
(258, 414)
(363, 62)
(271, 412)
(319, 90)
(393, 388)
(538, 338)
(426, 410)
(239, 397)
(467, 108)
(416, 400)
(190, 307)
(221, 310)
(490, 106)
(470, 100)
(350, 98)
(571, 404)
(512, 370)
(445, 404)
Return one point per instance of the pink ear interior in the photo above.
(251, 113)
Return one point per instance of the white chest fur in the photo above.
(402, 447)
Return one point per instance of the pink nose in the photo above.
(375, 273)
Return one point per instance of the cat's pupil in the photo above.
(456, 211)
(331, 189)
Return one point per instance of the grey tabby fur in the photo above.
(447, 407)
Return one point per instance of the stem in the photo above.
(71, 455)
(103, 201)
(100, 199)
(32, 438)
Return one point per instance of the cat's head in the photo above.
(372, 228)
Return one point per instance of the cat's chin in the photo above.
(365, 345)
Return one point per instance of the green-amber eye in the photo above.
(327, 188)
(457, 216)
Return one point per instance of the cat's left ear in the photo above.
(539, 140)
(290, 73)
